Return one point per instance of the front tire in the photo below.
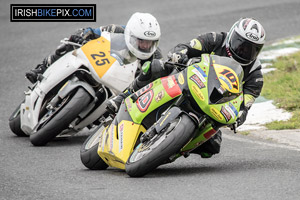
(59, 121)
(88, 152)
(15, 123)
(151, 154)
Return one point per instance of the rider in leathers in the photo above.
(242, 43)
(135, 26)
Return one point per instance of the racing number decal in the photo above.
(100, 62)
(98, 53)
(231, 77)
(144, 101)
(144, 89)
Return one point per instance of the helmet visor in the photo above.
(142, 45)
(243, 51)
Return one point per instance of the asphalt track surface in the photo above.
(246, 168)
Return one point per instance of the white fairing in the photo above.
(61, 69)
(117, 78)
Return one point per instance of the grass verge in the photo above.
(283, 86)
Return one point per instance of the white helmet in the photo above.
(142, 34)
(245, 40)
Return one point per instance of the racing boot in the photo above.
(61, 50)
(32, 75)
(210, 147)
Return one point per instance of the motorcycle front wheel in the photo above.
(88, 152)
(15, 123)
(149, 155)
(53, 123)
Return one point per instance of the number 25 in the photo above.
(103, 61)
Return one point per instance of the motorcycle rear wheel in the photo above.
(15, 123)
(88, 152)
(149, 155)
(59, 121)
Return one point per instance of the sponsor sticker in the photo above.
(199, 75)
(210, 133)
(226, 114)
(216, 113)
(111, 138)
(128, 104)
(233, 108)
(121, 131)
(197, 80)
(159, 96)
(171, 81)
(198, 92)
(181, 79)
(200, 70)
(206, 59)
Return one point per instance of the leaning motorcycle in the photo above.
(73, 91)
(168, 118)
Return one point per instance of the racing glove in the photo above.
(77, 39)
(248, 101)
(242, 117)
(179, 57)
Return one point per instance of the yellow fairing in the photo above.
(98, 53)
(115, 146)
(228, 78)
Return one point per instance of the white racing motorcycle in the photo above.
(73, 91)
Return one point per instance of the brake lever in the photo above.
(68, 42)
(233, 127)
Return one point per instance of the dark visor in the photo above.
(243, 50)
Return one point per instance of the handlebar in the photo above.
(178, 66)
(68, 42)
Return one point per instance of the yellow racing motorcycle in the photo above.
(168, 118)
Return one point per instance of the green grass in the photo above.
(283, 86)
(244, 132)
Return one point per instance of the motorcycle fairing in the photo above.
(202, 136)
(58, 71)
(108, 63)
(115, 146)
(98, 53)
(152, 96)
(202, 78)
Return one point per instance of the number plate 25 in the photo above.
(98, 53)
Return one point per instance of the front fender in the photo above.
(167, 118)
(73, 84)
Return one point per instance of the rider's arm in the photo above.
(204, 43)
(113, 28)
(93, 33)
(252, 88)
(253, 83)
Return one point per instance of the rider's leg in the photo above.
(210, 147)
(41, 68)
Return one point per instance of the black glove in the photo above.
(178, 57)
(77, 39)
(242, 117)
